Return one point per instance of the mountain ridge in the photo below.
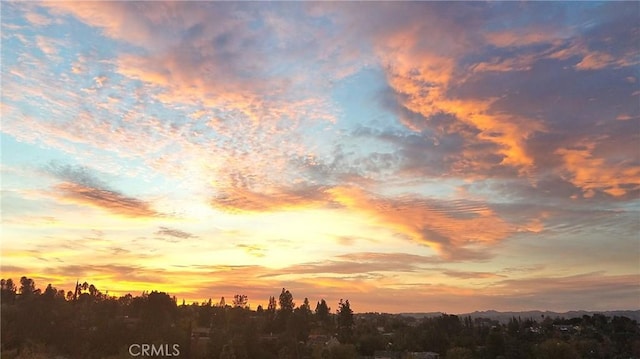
(504, 317)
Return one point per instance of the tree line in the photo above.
(85, 323)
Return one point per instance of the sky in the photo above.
(407, 156)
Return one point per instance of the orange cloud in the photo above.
(449, 228)
(111, 201)
(242, 199)
(520, 63)
(591, 173)
(358, 264)
(176, 82)
(522, 37)
(423, 77)
(595, 60)
(560, 48)
(592, 59)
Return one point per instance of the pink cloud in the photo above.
(37, 19)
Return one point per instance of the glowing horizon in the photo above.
(409, 157)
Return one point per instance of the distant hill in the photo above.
(424, 315)
(538, 315)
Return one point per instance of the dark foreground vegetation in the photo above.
(86, 323)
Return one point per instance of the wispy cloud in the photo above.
(582, 290)
(81, 187)
(253, 249)
(37, 19)
(242, 199)
(472, 275)
(593, 174)
(111, 201)
(175, 233)
(455, 230)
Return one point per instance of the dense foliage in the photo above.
(86, 323)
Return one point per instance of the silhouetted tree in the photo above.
(271, 308)
(27, 287)
(240, 300)
(98, 326)
(495, 343)
(50, 292)
(323, 312)
(93, 291)
(158, 312)
(8, 294)
(285, 311)
(305, 307)
(345, 322)
(299, 325)
(286, 301)
(270, 316)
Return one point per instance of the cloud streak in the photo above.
(176, 233)
(241, 199)
(592, 174)
(81, 187)
(455, 230)
(111, 201)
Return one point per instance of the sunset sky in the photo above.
(409, 157)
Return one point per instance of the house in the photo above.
(566, 328)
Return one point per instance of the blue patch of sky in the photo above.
(630, 206)
(9, 60)
(57, 106)
(572, 16)
(432, 188)
(491, 190)
(10, 9)
(93, 38)
(16, 153)
(356, 99)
